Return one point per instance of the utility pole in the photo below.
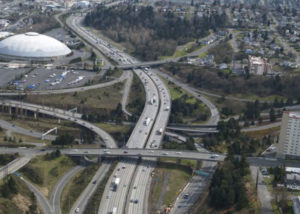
(256, 179)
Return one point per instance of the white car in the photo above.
(214, 156)
(77, 210)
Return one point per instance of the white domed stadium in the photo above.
(32, 46)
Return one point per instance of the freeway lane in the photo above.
(88, 192)
(14, 165)
(138, 138)
(139, 134)
(142, 180)
(151, 91)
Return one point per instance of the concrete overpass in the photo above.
(156, 153)
(57, 113)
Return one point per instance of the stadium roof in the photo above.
(33, 45)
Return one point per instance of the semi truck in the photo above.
(115, 184)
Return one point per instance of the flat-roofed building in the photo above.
(289, 140)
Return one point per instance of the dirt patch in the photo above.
(45, 191)
(21, 202)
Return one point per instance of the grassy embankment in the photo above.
(175, 176)
(15, 197)
(91, 100)
(76, 185)
(44, 171)
(136, 99)
(177, 92)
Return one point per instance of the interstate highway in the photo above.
(141, 132)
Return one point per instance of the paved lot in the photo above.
(10, 74)
(46, 79)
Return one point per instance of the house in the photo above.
(222, 66)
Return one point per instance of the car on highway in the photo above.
(125, 152)
(77, 210)
(165, 153)
(214, 156)
(186, 196)
(178, 153)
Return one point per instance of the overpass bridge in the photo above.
(156, 153)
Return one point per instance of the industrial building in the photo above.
(32, 46)
(289, 140)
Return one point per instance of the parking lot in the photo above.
(47, 79)
(10, 74)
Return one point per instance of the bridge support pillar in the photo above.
(36, 114)
(82, 161)
(199, 163)
(178, 161)
(58, 121)
(99, 158)
(9, 109)
(158, 160)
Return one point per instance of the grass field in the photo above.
(118, 132)
(44, 173)
(93, 100)
(9, 138)
(136, 99)
(177, 92)
(74, 188)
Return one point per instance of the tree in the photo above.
(272, 115)
(62, 140)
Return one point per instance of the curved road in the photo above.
(215, 116)
(62, 114)
(59, 186)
